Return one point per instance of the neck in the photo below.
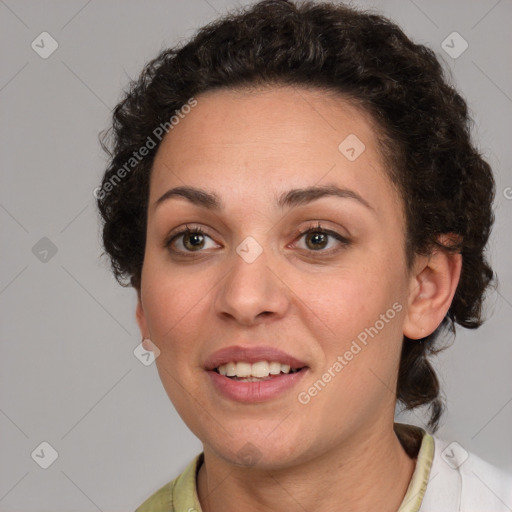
(371, 472)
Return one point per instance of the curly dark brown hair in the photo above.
(424, 132)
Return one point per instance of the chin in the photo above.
(259, 452)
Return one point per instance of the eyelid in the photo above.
(318, 225)
(188, 227)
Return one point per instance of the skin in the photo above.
(248, 147)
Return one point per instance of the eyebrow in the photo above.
(294, 197)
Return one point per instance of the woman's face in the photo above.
(251, 289)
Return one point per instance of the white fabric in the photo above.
(460, 481)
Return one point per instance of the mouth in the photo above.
(254, 374)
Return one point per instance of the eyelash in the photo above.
(312, 228)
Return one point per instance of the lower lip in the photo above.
(254, 392)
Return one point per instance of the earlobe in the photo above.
(432, 287)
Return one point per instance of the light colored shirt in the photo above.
(446, 479)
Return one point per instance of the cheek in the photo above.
(363, 310)
(174, 304)
(351, 300)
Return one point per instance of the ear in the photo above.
(141, 317)
(434, 280)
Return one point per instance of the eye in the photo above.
(189, 240)
(317, 240)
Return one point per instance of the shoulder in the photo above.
(160, 501)
(178, 494)
(462, 481)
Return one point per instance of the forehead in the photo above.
(271, 139)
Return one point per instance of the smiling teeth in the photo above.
(260, 370)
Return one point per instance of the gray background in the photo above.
(68, 375)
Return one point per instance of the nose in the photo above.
(252, 292)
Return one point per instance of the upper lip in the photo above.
(251, 354)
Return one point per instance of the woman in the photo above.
(295, 198)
